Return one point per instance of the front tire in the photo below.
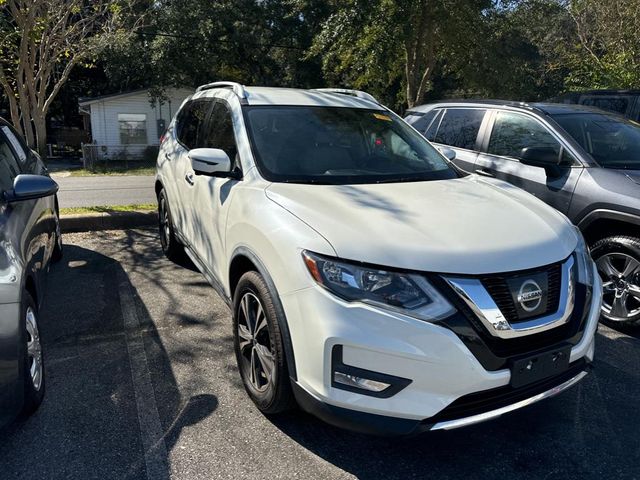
(33, 373)
(259, 346)
(618, 262)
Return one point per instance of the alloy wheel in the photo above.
(34, 350)
(257, 358)
(620, 274)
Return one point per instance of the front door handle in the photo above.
(189, 178)
(167, 156)
(483, 172)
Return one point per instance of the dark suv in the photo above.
(29, 240)
(583, 161)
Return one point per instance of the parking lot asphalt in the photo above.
(142, 383)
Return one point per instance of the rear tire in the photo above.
(618, 262)
(171, 246)
(259, 346)
(33, 373)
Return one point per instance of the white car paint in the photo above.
(467, 226)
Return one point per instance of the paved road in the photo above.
(105, 190)
(142, 384)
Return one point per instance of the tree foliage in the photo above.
(40, 43)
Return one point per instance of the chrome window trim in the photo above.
(473, 293)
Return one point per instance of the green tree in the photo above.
(381, 45)
(40, 43)
(606, 52)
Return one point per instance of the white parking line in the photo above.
(155, 449)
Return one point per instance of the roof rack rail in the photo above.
(348, 91)
(237, 88)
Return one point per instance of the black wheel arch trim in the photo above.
(282, 318)
(606, 214)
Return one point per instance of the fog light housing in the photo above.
(364, 382)
(359, 382)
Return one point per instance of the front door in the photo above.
(511, 133)
(211, 195)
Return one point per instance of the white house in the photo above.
(125, 125)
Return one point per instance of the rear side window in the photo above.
(421, 121)
(459, 127)
(612, 104)
(9, 167)
(220, 132)
(512, 132)
(190, 122)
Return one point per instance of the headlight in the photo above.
(584, 260)
(410, 294)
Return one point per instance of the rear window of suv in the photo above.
(459, 127)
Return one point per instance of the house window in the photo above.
(133, 128)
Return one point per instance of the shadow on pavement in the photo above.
(590, 431)
(92, 422)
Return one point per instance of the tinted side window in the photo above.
(191, 121)
(433, 128)
(613, 104)
(512, 132)
(220, 132)
(9, 168)
(16, 142)
(459, 127)
(421, 121)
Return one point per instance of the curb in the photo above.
(107, 221)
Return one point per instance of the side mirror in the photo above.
(448, 152)
(209, 161)
(30, 187)
(543, 157)
(539, 156)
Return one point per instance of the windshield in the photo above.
(612, 141)
(336, 145)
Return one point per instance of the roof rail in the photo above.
(237, 88)
(347, 91)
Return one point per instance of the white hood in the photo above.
(469, 225)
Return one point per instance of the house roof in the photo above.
(84, 101)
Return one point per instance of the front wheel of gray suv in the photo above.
(618, 262)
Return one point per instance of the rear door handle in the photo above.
(189, 178)
(483, 172)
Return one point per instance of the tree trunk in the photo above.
(40, 124)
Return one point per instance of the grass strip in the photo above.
(108, 209)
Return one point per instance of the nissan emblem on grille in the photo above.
(530, 296)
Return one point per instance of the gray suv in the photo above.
(583, 161)
(29, 239)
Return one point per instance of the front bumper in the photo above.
(440, 367)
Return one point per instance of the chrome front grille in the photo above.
(497, 286)
(498, 312)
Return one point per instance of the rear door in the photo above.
(188, 135)
(458, 128)
(507, 134)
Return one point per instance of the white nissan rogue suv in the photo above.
(370, 281)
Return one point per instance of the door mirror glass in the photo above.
(209, 161)
(30, 187)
